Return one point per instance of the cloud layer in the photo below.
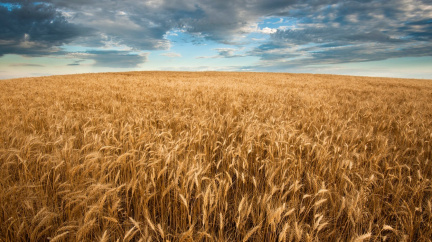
(352, 31)
(320, 32)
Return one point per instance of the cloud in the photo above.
(171, 54)
(25, 65)
(350, 31)
(267, 30)
(142, 25)
(76, 63)
(116, 59)
(223, 53)
(35, 29)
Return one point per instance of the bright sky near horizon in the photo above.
(352, 37)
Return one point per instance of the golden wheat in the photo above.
(178, 156)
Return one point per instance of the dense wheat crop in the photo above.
(215, 156)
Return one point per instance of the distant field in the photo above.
(180, 156)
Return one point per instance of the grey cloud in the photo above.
(223, 53)
(332, 35)
(76, 63)
(419, 30)
(224, 21)
(285, 58)
(275, 51)
(35, 29)
(373, 36)
(25, 65)
(227, 52)
(350, 31)
(143, 24)
(116, 59)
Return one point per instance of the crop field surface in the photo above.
(213, 156)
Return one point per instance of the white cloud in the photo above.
(268, 30)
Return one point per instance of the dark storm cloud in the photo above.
(419, 30)
(325, 31)
(34, 29)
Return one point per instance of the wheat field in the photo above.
(213, 156)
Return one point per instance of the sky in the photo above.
(390, 38)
